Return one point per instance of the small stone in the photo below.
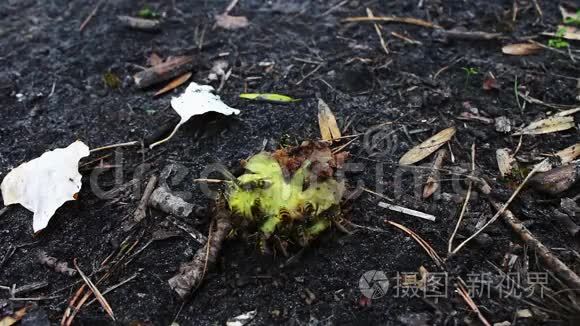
(503, 124)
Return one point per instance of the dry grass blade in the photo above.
(424, 244)
(520, 49)
(95, 291)
(469, 301)
(378, 30)
(392, 19)
(548, 125)
(327, 122)
(464, 207)
(174, 83)
(427, 147)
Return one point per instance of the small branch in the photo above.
(167, 202)
(163, 72)
(191, 275)
(141, 210)
(552, 262)
(504, 207)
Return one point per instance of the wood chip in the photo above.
(427, 147)
(521, 49)
(171, 68)
(148, 25)
(226, 21)
(174, 83)
(548, 125)
(327, 122)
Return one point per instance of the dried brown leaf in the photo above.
(569, 154)
(231, 22)
(174, 83)
(548, 125)
(427, 147)
(15, 318)
(521, 49)
(154, 60)
(327, 122)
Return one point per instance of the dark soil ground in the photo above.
(59, 73)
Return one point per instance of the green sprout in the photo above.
(287, 206)
(469, 71)
(558, 41)
(574, 20)
(147, 13)
(111, 80)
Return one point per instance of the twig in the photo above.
(567, 54)
(141, 210)
(539, 166)
(95, 291)
(333, 8)
(388, 19)
(127, 144)
(378, 30)
(91, 15)
(533, 100)
(467, 196)
(192, 274)
(538, 9)
(551, 261)
(309, 74)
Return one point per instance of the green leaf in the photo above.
(268, 97)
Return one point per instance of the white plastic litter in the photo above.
(43, 184)
(196, 100)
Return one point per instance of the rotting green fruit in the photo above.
(280, 204)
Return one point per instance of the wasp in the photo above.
(255, 184)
